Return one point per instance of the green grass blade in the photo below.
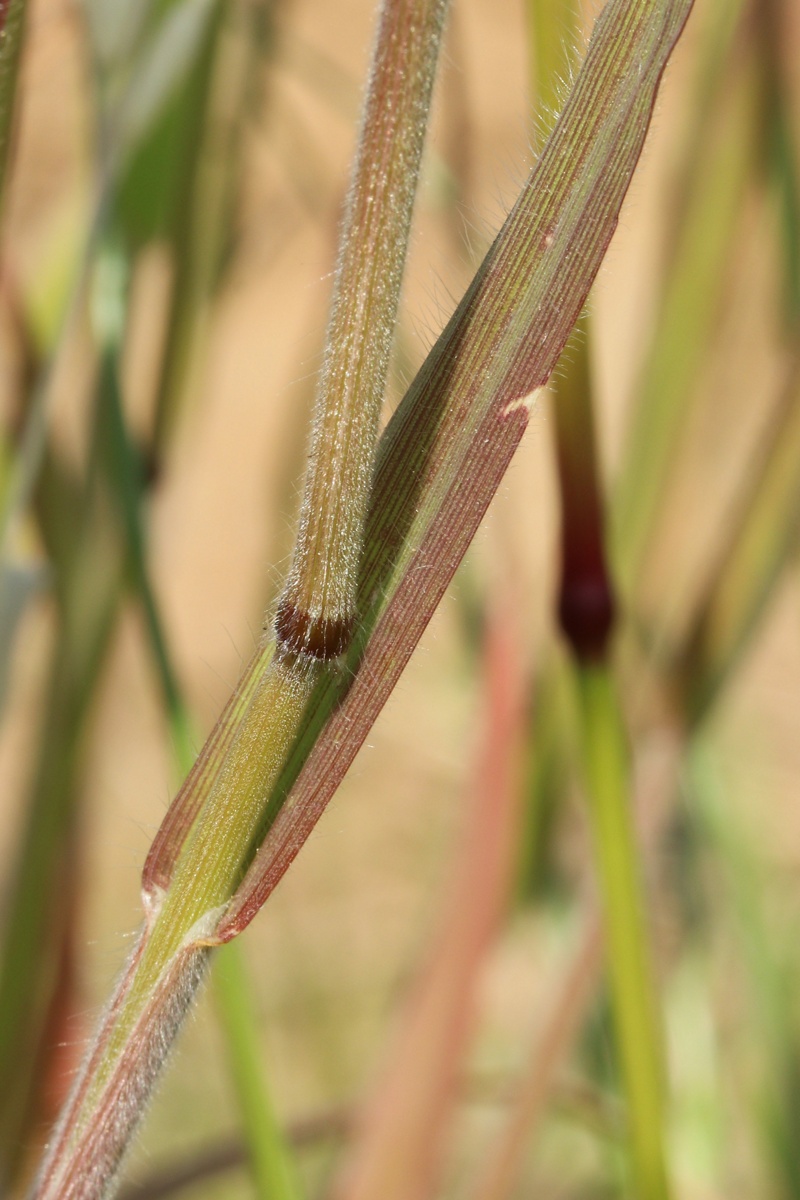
(550, 752)
(199, 211)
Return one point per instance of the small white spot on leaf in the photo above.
(525, 402)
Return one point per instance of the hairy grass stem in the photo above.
(318, 608)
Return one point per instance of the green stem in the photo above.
(271, 1163)
(633, 1000)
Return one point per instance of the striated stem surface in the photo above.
(317, 611)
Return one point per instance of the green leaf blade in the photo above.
(445, 452)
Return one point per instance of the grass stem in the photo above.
(317, 611)
(271, 1165)
(633, 1000)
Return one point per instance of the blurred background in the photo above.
(171, 200)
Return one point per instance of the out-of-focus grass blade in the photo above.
(89, 583)
(82, 537)
(149, 187)
(160, 66)
(174, 118)
(398, 1147)
(13, 16)
(761, 541)
(726, 26)
(116, 32)
(57, 314)
(770, 967)
(125, 476)
(781, 131)
(19, 584)
(692, 294)
(88, 586)
(566, 1011)
(550, 756)
(214, 100)
(44, 297)
(639, 1037)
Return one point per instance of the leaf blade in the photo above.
(431, 492)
